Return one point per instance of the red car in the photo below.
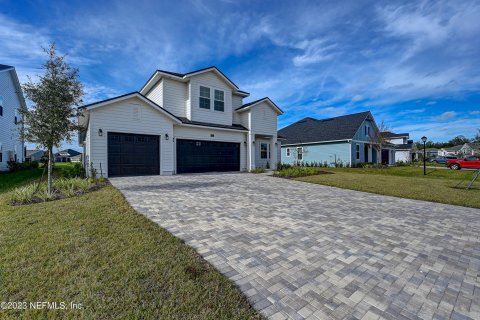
(470, 162)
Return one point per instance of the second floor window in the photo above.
(204, 102)
(219, 102)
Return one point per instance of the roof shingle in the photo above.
(313, 130)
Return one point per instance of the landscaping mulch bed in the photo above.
(57, 194)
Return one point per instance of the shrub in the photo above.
(294, 172)
(73, 171)
(258, 170)
(71, 187)
(281, 166)
(23, 194)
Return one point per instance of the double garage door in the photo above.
(205, 156)
(136, 154)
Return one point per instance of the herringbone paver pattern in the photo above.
(305, 251)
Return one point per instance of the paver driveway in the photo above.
(301, 250)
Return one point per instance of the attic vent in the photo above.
(325, 120)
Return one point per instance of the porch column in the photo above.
(250, 151)
(273, 153)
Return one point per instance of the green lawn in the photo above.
(405, 182)
(97, 251)
(9, 180)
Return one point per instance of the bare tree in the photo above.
(378, 139)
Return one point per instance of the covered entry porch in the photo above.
(262, 151)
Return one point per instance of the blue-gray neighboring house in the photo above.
(348, 139)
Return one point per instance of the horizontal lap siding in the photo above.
(264, 119)
(320, 153)
(174, 97)
(191, 133)
(212, 81)
(9, 136)
(156, 94)
(237, 102)
(119, 117)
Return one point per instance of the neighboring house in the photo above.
(431, 152)
(34, 155)
(180, 123)
(11, 99)
(470, 149)
(450, 151)
(68, 155)
(348, 140)
(397, 147)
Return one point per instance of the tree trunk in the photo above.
(50, 161)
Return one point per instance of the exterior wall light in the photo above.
(166, 136)
(100, 132)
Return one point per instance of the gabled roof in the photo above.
(214, 125)
(388, 134)
(128, 96)
(407, 146)
(309, 130)
(4, 67)
(473, 145)
(155, 77)
(68, 153)
(454, 148)
(250, 105)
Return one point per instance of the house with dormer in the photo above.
(180, 123)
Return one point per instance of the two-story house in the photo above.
(11, 99)
(180, 123)
(348, 139)
(397, 147)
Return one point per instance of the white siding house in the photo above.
(179, 123)
(11, 99)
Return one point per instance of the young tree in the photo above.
(378, 139)
(52, 116)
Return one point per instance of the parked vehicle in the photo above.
(470, 162)
(443, 159)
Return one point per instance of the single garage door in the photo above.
(207, 156)
(133, 154)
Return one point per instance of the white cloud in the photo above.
(474, 113)
(446, 115)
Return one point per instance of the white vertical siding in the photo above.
(9, 135)
(119, 117)
(174, 97)
(156, 94)
(211, 80)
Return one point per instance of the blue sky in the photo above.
(414, 64)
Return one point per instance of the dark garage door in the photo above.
(205, 156)
(133, 154)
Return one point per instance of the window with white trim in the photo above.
(357, 148)
(219, 101)
(204, 101)
(300, 153)
(264, 151)
(288, 152)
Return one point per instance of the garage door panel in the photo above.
(207, 156)
(133, 154)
